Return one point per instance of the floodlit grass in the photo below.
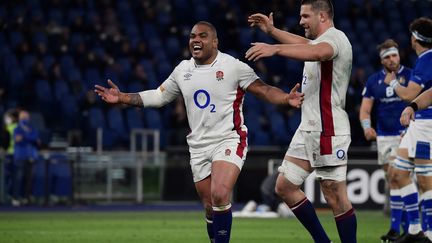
(167, 227)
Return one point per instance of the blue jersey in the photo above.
(388, 104)
(422, 75)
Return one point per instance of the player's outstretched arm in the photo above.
(265, 24)
(275, 95)
(113, 95)
(302, 52)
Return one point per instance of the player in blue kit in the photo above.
(388, 106)
(415, 148)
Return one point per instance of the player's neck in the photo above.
(208, 61)
(420, 50)
(325, 26)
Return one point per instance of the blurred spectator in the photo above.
(271, 202)
(26, 140)
(10, 123)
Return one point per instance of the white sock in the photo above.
(414, 229)
(429, 234)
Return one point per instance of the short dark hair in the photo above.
(320, 5)
(422, 26)
(387, 44)
(208, 24)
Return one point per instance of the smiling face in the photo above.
(310, 20)
(203, 44)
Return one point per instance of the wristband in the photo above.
(414, 106)
(394, 83)
(366, 123)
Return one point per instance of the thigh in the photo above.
(387, 148)
(200, 165)
(203, 188)
(224, 175)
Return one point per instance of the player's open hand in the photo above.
(389, 77)
(260, 50)
(109, 95)
(295, 98)
(261, 21)
(407, 115)
(370, 134)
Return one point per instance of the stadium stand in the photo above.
(52, 52)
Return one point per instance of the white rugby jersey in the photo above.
(325, 86)
(213, 96)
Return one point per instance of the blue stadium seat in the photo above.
(96, 118)
(27, 63)
(60, 175)
(126, 68)
(135, 118)
(293, 121)
(260, 138)
(173, 47)
(279, 131)
(61, 89)
(70, 111)
(66, 63)
(201, 11)
(245, 37)
(39, 38)
(40, 182)
(48, 61)
(116, 123)
(16, 38)
(135, 86)
(55, 16)
(16, 78)
(91, 77)
(44, 98)
(164, 70)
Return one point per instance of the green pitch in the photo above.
(167, 227)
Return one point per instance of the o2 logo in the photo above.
(202, 100)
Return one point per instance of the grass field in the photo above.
(166, 227)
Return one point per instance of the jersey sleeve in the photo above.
(367, 90)
(170, 87)
(419, 75)
(246, 75)
(332, 39)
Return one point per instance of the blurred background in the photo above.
(53, 52)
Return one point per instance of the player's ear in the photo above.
(215, 42)
(322, 16)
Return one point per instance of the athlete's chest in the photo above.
(206, 87)
(217, 81)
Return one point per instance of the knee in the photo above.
(424, 183)
(335, 195)
(220, 195)
(285, 188)
(330, 192)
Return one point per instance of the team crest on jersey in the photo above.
(402, 80)
(219, 75)
(227, 152)
(187, 76)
